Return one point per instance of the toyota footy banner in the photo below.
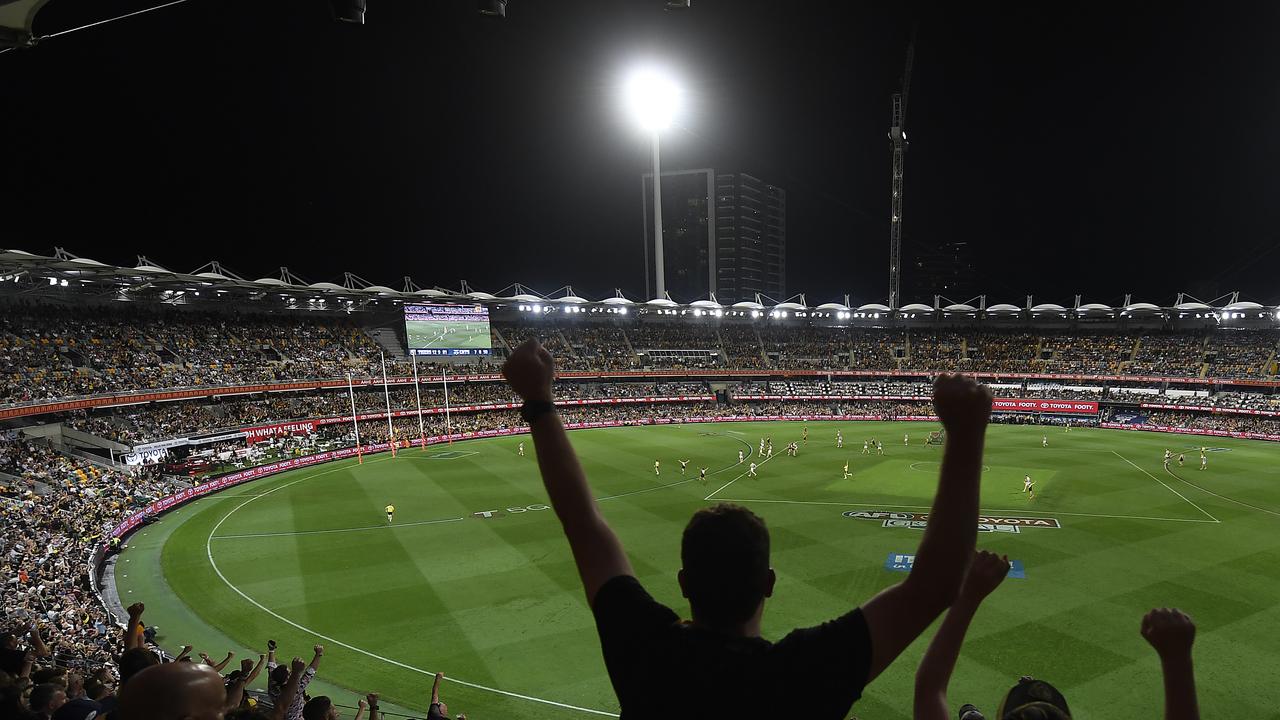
(1031, 405)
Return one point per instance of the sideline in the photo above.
(208, 546)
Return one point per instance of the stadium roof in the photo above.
(64, 275)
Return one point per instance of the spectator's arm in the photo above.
(132, 635)
(985, 574)
(373, 705)
(1171, 633)
(315, 659)
(37, 644)
(897, 615)
(186, 650)
(235, 691)
(28, 662)
(290, 691)
(271, 651)
(596, 549)
(257, 668)
(219, 665)
(361, 706)
(435, 689)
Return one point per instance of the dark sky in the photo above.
(1100, 151)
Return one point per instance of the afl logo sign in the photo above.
(491, 514)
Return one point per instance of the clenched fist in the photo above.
(1170, 631)
(530, 371)
(962, 404)
(986, 572)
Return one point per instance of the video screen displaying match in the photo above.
(447, 329)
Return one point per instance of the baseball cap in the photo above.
(1033, 699)
(78, 709)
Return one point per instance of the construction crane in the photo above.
(898, 136)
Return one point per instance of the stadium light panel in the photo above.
(652, 98)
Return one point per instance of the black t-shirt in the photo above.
(661, 667)
(11, 660)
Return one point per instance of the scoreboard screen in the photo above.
(447, 329)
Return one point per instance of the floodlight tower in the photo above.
(898, 136)
(653, 99)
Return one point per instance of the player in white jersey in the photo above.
(1044, 441)
(683, 464)
(1204, 460)
(847, 474)
(741, 457)
(761, 446)
(879, 448)
(751, 472)
(1029, 487)
(656, 468)
(1168, 455)
(839, 439)
(866, 447)
(520, 450)
(906, 440)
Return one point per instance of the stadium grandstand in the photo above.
(129, 392)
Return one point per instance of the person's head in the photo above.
(320, 708)
(134, 661)
(8, 641)
(725, 573)
(96, 688)
(1033, 699)
(174, 691)
(46, 698)
(280, 674)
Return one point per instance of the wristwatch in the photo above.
(533, 409)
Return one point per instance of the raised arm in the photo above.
(315, 659)
(1171, 632)
(132, 636)
(218, 665)
(290, 691)
(235, 689)
(37, 644)
(435, 689)
(596, 549)
(373, 705)
(986, 573)
(897, 615)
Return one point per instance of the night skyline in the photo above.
(1099, 152)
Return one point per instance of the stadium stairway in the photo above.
(389, 342)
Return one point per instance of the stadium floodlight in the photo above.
(652, 99)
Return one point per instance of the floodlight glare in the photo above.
(652, 98)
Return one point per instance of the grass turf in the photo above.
(496, 602)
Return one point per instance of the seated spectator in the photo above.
(726, 576)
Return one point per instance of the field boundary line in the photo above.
(1009, 511)
(338, 530)
(1166, 486)
(1224, 497)
(208, 547)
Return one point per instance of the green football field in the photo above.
(495, 602)
(443, 334)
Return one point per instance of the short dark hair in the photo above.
(134, 661)
(317, 708)
(43, 694)
(725, 552)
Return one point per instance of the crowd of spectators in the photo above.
(1213, 421)
(53, 352)
(49, 527)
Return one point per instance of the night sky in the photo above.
(1094, 151)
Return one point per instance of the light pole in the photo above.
(653, 99)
